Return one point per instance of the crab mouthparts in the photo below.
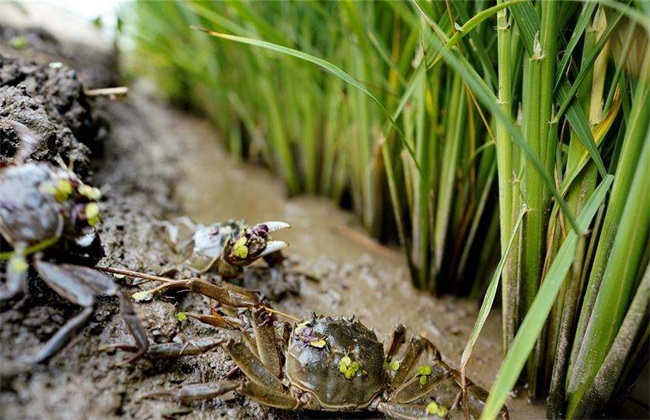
(273, 246)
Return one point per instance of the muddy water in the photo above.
(357, 276)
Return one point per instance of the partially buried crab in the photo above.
(337, 364)
(225, 247)
(47, 216)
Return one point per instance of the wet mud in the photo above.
(154, 163)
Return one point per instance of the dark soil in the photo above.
(137, 175)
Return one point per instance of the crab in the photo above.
(338, 364)
(225, 247)
(47, 216)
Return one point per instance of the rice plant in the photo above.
(446, 126)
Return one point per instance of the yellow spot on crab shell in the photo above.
(142, 296)
(344, 364)
(319, 344)
(91, 211)
(47, 188)
(240, 249)
(436, 410)
(63, 190)
(18, 263)
(424, 370)
(89, 192)
(181, 316)
(348, 368)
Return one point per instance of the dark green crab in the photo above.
(338, 364)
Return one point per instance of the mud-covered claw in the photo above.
(273, 246)
(252, 243)
(273, 226)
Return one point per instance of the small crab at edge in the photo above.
(47, 215)
(337, 364)
(226, 247)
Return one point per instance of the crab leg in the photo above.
(414, 388)
(406, 411)
(440, 379)
(268, 396)
(476, 398)
(16, 274)
(413, 352)
(170, 350)
(267, 342)
(198, 392)
(104, 285)
(262, 387)
(79, 285)
(135, 328)
(224, 295)
(421, 385)
(250, 342)
(72, 290)
(195, 392)
(252, 367)
(216, 320)
(395, 341)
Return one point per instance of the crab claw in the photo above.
(273, 246)
(273, 226)
(252, 243)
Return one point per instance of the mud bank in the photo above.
(155, 163)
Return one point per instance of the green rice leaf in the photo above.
(489, 296)
(471, 24)
(489, 100)
(576, 35)
(536, 318)
(580, 126)
(334, 70)
(585, 68)
(528, 23)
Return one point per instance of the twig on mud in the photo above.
(111, 92)
(136, 274)
(284, 314)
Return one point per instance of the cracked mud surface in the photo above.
(155, 163)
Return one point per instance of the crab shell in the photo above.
(26, 213)
(318, 369)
